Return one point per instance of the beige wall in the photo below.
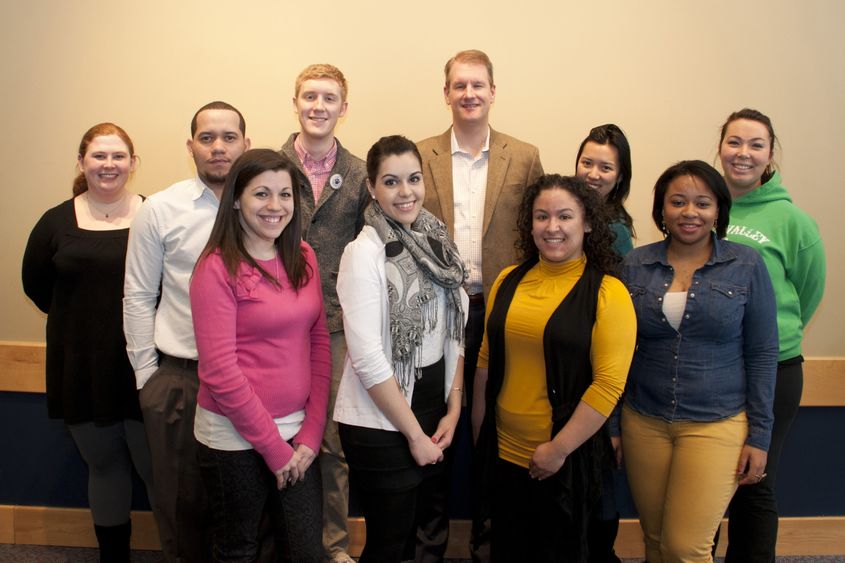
(668, 72)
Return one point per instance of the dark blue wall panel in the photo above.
(40, 466)
(39, 463)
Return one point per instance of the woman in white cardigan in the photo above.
(404, 312)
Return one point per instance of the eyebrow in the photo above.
(391, 175)
(215, 132)
(702, 196)
(266, 187)
(750, 139)
(557, 210)
(324, 92)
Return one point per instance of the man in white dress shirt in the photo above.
(474, 179)
(168, 233)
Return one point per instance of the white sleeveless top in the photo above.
(674, 303)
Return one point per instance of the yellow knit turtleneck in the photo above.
(523, 412)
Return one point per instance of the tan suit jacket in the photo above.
(512, 166)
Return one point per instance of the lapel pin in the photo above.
(336, 181)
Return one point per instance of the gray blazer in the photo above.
(334, 221)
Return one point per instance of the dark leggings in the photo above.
(110, 452)
(753, 524)
(242, 489)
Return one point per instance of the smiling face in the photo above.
(469, 93)
(690, 210)
(216, 144)
(745, 152)
(598, 165)
(318, 105)
(558, 225)
(106, 165)
(265, 209)
(399, 188)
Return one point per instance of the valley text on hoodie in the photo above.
(791, 246)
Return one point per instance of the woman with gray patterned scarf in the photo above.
(404, 311)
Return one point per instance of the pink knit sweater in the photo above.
(263, 352)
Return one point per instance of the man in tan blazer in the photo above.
(474, 179)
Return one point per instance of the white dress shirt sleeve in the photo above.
(144, 264)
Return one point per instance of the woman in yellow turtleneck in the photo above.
(558, 343)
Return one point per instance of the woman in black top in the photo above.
(73, 271)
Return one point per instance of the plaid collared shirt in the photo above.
(317, 170)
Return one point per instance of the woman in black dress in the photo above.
(73, 271)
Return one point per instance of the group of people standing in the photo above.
(289, 323)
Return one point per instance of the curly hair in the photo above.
(598, 243)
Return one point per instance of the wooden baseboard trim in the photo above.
(22, 366)
(39, 525)
(806, 536)
(22, 370)
(7, 524)
(72, 527)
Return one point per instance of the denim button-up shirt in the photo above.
(722, 359)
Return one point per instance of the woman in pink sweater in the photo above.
(264, 365)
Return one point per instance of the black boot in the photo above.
(114, 542)
(601, 536)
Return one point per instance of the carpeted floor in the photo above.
(40, 554)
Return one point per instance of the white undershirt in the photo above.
(674, 303)
(218, 433)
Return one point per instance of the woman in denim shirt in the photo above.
(698, 417)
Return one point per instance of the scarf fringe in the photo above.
(411, 293)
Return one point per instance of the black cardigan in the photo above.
(567, 340)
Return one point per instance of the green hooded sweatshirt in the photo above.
(791, 246)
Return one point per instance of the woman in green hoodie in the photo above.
(764, 217)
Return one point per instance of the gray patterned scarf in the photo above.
(417, 258)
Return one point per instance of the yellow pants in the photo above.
(682, 477)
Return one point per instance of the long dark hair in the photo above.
(227, 235)
(611, 134)
(598, 243)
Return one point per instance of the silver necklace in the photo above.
(105, 211)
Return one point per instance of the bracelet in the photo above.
(458, 389)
